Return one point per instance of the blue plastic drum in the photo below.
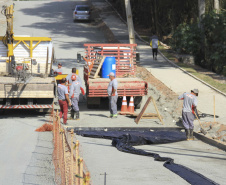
(108, 66)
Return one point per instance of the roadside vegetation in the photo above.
(194, 71)
(188, 29)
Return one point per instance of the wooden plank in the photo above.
(156, 117)
(143, 115)
(143, 110)
(95, 67)
(146, 114)
(157, 112)
(92, 73)
(98, 69)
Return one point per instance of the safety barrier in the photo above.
(70, 168)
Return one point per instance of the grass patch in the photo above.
(188, 68)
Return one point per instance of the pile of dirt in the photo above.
(167, 100)
(215, 130)
(147, 76)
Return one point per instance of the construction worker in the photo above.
(73, 73)
(154, 43)
(74, 95)
(64, 100)
(113, 95)
(59, 70)
(189, 107)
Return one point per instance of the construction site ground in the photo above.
(26, 154)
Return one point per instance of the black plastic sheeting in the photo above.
(125, 140)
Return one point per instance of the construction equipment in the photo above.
(25, 69)
(128, 83)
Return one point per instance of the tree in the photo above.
(217, 6)
(202, 8)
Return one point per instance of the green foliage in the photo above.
(208, 44)
(187, 39)
(215, 40)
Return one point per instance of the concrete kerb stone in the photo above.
(123, 128)
(210, 141)
(166, 57)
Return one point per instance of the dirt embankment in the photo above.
(166, 99)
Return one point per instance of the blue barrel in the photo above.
(108, 66)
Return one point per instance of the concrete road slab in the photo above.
(123, 168)
(20, 146)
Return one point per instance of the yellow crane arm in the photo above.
(9, 37)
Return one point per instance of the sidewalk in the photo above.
(172, 77)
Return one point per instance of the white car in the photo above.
(81, 12)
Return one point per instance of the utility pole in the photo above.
(202, 7)
(130, 22)
(217, 6)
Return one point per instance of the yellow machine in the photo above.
(26, 75)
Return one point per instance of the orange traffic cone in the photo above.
(131, 106)
(124, 109)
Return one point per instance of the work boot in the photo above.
(187, 131)
(77, 115)
(111, 115)
(114, 116)
(191, 135)
(72, 114)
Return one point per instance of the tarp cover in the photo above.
(125, 140)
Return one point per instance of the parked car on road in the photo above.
(81, 12)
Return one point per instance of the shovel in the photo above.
(201, 129)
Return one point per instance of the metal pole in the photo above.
(214, 113)
(129, 17)
(47, 59)
(105, 178)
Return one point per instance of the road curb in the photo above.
(210, 141)
(172, 63)
(68, 128)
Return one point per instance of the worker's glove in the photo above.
(83, 91)
(196, 111)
